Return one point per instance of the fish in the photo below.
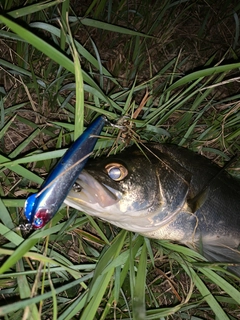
(165, 192)
(41, 207)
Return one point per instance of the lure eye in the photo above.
(41, 218)
(38, 223)
(116, 171)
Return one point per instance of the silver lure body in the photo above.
(41, 207)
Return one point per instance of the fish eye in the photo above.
(116, 171)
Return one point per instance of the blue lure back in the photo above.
(41, 207)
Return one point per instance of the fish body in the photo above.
(42, 206)
(168, 192)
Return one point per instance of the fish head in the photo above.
(134, 190)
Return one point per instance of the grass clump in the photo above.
(62, 65)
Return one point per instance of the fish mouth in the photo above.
(90, 192)
(103, 201)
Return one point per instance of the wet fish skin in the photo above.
(155, 199)
(41, 207)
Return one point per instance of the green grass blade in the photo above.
(96, 292)
(8, 233)
(81, 50)
(33, 8)
(24, 144)
(37, 156)
(39, 43)
(5, 217)
(64, 20)
(22, 171)
(108, 27)
(79, 105)
(17, 254)
(221, 282)
(203, 73)
(25, 292)
(139, 305)
(6, 127)
(210, 299)
(9, 308)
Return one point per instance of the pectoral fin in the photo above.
(195, 203)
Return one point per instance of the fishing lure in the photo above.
(41, 207)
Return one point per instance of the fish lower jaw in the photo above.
(138, 221)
